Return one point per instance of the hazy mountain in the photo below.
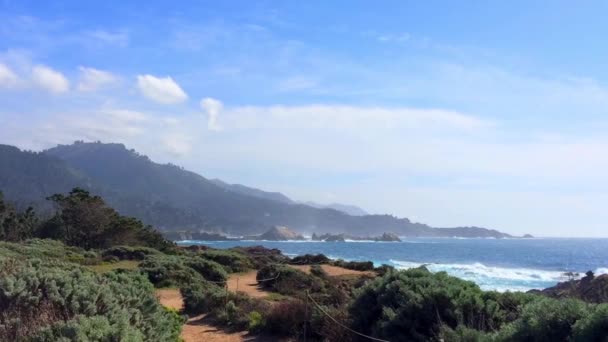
(277, 196)
(171, 198)
(345, 208)
(245, 190)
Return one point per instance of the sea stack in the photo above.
(280, 233)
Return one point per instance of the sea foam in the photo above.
(493, 278)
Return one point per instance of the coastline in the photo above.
(488, 262)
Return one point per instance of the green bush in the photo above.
(594, 326)
(288, 280)
(545, 319)
(48, 250)
(261, 256)
(256, 322)
(169, 271)
(51, 301)
(463, 334)
(210, 270)
(202, 297)
(180, 270)
(413, 305)
(129, 252)
(355, 265)
(233, 261)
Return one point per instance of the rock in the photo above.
(335, 238)
(388, 237)
(527, 236)
(280, 233)
(590, 288)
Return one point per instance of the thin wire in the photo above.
(342, 325)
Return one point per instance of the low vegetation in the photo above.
(53, 300)
(95, 279)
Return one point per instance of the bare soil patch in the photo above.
(334, 271)
(247, 283)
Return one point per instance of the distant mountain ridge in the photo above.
(245, 190)
(352, 210)
(174, 199)
(277, 196)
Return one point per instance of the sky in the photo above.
(469, 113)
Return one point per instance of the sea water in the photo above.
(494, 264)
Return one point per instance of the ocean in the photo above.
(494, 264)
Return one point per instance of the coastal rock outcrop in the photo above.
(280, 233)
(388, 237)
(590, 288)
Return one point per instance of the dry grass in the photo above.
(333, 271)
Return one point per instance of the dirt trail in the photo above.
(246, 283)
(197, 328)
(333, 271)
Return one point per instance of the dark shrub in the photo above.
(210, 270)
(129, 252)
(355, 265)
(262, 256)
(326, 329)
(308, 259)
(180, 270)
(169, 271)
(287, 318)
(384, 269)
(288, 280)
(318, 271)
(233, 261)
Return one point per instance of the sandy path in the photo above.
(246, 282)
(170, 298)
(197, 328)
(333, 271)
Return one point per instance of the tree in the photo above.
(86, 221)
(14, 225)
(82, 220)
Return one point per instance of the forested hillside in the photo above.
(171, 198)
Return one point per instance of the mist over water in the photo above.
(494, 264)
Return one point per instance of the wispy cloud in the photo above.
(8, 79)
(212, 108)
(92, 79)
(118, 38)
(163, 90)
(50, 80)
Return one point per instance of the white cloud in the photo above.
(8, 79)
(161, 90)
(212, 107)
(349, 118)
(92, 79)
(50, 80)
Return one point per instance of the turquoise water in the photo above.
(505, 264)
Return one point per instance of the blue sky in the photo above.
(472, 113)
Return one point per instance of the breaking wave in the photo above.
(496, 278)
